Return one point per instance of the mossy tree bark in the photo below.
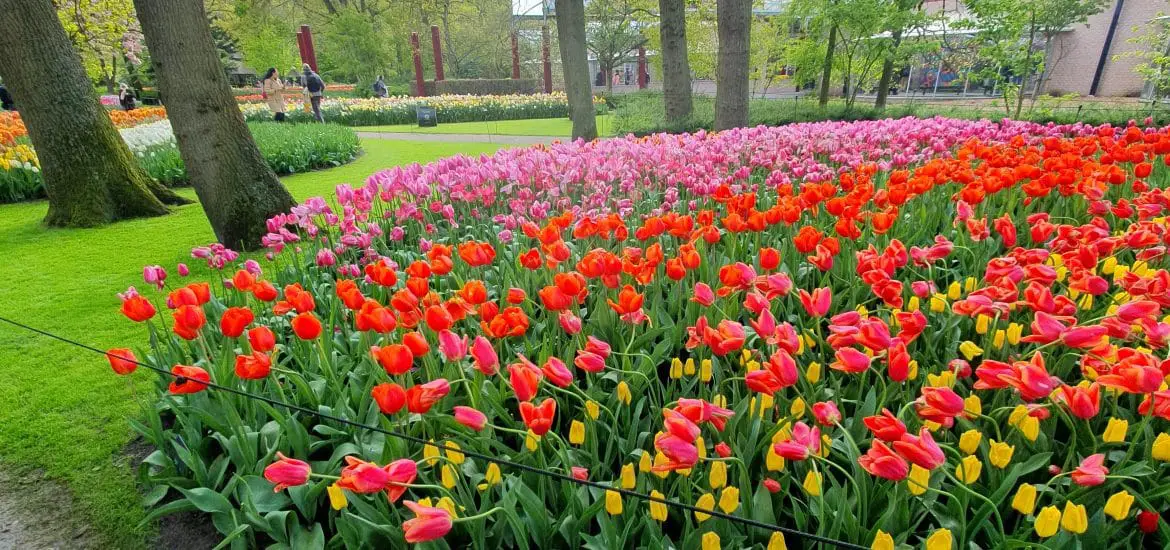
(90, 175)
(676, 69)
(827, 67)
(734, 20)
(574, 63)
(237, 189)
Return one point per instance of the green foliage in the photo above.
(265, 42)
(352, 48)
(612, 34)
(1153, 55)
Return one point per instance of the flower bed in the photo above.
(900, 332)
(401, 110)
(288, 148)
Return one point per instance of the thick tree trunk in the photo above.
(238, 190)
(827, 69)
(676, 68)
(90, 175)
(574, 63)
(883, 90)
(734, 19)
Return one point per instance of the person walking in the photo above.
(315, 87)
(126, 97)
(271, 88)
(380, 88)
(6, 102)
(617, 77)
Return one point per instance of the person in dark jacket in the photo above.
(380, 88)
(126, 97)
(315, 87)
(6, 102)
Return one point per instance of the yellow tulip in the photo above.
(623, 393)
(1074, 519)
(812, 483)
(613, 503)
(970, 283)
(705, 502)
(973, 406)
(1000, 454)
(913, 304)
(448, 505)
(1028, 425)
(1161, 449)
(777, 542)
(945, 379)
(577, 432)
(660, 460)
(999, 338)
(954, 291)
(337, 498)
(430, 453)
(968, 469)
(729, 499)
(718, 475)
(982, 324)
(676, 368)
(628, 480)
(970, 350)
(1108, 265)
(969, 441)
(1115, 431)
(531, 441)
(912, 371)
(940, 540)
(453, 453)
(918, 480)
(798, 407)
(1025, 500)
(710, 541)
(492, 475)
(938, 303)
(813, 372)
(657, 509)
(719, 400)
(689, 367)
(592, 409)
(1117, 507)
(448, 476)
(1015, 331)
(882, 541)
(1047, 521)
(704, 370)
(774, 462)
(645, 462)
(702, 447)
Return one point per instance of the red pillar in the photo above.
(438, 51)
(309, 52)
(301, 47)
(641, 67)
(420, 90)
(515, 57)
(546, 44)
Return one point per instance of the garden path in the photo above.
(463, 138)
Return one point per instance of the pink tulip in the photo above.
(486, 360)
(826, 413)
(1091, 472)
(470, 417)
(428, 523)
(703, 295)
(451, 345)
(287, 472)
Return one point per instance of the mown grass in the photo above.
(532, 127)
(61, 409)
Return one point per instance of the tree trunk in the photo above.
(734, 19)
(238, 190)
(575, 65)
(883, 90)
(89, 174)
(827, 70)
(676, 68)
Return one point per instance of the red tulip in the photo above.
(306, 326)
(817, 304)
(188, 321)
(885, 426)
(287, 472)
(122, 360)
(1081, 402)
(390, 397)
(722, 449)
(700, 411)
(680, 453)
(396, 359)
(555, 370)
(1132, 312)
(484, 355)
(416, 343)
(921, 450)
(880, 461)
(525, 379)
(703, 295)
(253, 367)
(188, 379)
(138, 309)
(1147, 521)
(851, 361)
(261, 339)
(678, 424)
(772, 485)
(538, 418)
(802, 443)
(420, 398)
(363, 477)
(428, 523)
(234, 321)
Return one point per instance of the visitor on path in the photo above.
(6, 102)
(271, 88)
(126, 97)
(617, 77)
(380, 88)
(315, 87)
(629, 76)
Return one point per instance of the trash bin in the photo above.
(427, 116)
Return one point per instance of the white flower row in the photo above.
(145, 136)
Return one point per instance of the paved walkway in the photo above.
(462, 138)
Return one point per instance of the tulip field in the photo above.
(914, 333)
(402, 110)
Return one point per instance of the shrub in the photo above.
(401, 110)
(889, 333)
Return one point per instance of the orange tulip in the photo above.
(138, 309)
(396, 359)
(122, 360)
(306, 326)
(235, 320)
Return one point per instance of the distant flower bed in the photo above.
(289, 89)
(402, 110)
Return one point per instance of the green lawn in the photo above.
(531, 127)
(61, 409)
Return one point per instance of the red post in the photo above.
(642, 68)
(515, 57)
(546, 41)
(438, 51)
(301, 47)
(309, 52)
(420, 90)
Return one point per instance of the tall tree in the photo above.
(90, 175)
(827, 67)
(731, 71)
(238, 190)
(574, 64)
(676, 70)
(896, 23)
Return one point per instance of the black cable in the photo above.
(688, 507)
